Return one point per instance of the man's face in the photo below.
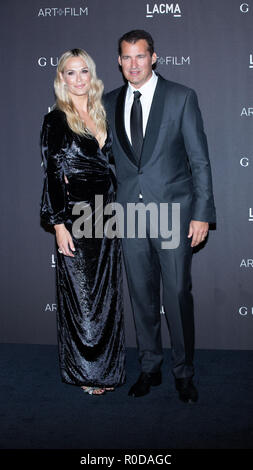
(136, 62)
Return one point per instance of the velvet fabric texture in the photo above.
(89, 286)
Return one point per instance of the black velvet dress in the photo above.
(89, 286)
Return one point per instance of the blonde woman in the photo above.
(78, 163)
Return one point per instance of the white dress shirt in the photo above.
(147, 93)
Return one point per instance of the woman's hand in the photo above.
(64, 240)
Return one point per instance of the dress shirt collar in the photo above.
(146, 89)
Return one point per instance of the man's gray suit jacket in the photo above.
(174, 164)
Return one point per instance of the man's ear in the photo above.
(154, 58)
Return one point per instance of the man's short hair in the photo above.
(134, 36)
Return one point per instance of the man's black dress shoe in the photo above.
(144, 382)
(186, 390)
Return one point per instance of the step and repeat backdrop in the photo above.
(204, 44)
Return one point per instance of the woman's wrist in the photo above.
(59, 227)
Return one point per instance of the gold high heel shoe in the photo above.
(93, 390)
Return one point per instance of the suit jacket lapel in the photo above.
(120, 125)
(154, 121)
(153, 124)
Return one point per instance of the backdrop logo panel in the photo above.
(251, 61)
(247, 112)
(67, 11)
(246, 311)
(174, 60)
(48, 61)
(251, 214)
(246, 263)
(244, 161)
(50, 308)
(53, 261)
(171, 9)
(244, 8)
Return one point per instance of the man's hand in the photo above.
(198, 231)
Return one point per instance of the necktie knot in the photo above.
(137, 95)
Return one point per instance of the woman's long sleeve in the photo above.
(54, 197)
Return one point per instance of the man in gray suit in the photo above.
(161, 156)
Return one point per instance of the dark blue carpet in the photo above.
(38, 411)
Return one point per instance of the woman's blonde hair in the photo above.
(64, 102)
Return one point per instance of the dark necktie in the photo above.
(136, 125)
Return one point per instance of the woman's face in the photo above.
(76, 76)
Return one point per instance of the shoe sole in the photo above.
(143, 394)
(156, 384)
